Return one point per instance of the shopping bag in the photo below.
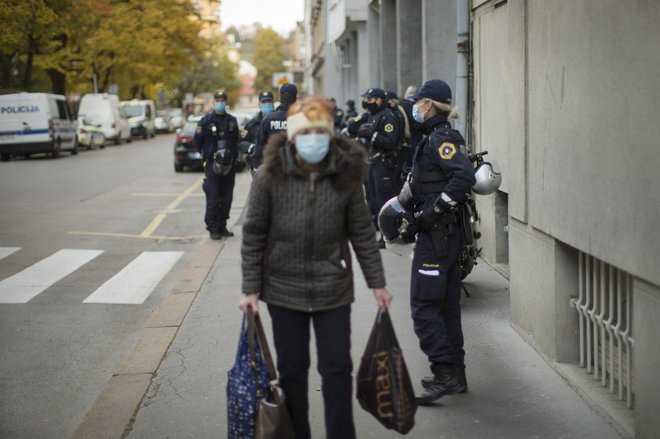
(273, 419)
(247, 383)
(384, 388)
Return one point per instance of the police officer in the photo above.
(350, 109)
(381, 134)
(217, 130)
(248, 135)
(274, 122)
(440, 179)
(337, 116)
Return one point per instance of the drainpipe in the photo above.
(462, 69)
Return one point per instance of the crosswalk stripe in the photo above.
(6, 251)
(134, 283)
(23, 286)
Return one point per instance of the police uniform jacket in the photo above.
(215, 127)
(388, 128)
(251, 128)
(272, 123)
(441, 174)
(296, 235)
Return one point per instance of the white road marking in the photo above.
(23, 286)
(6, 251)
(133, 284)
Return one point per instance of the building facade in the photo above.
(564, 96)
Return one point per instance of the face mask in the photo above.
(364, 104)
(267, 108)
(220, 106)
(312, 148)
(419, 117)
(371, 107)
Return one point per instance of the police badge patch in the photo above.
(447, 150)
(388, 128)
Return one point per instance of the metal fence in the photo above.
(604, 306)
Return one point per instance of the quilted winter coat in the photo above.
(296, 235)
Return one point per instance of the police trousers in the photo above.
(291, 335)
(435, 293)
(219, 190)
(380, 188)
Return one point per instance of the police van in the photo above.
(141, 115)
(33, 123)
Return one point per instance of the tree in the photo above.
(267, 58)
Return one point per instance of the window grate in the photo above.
(604, 307)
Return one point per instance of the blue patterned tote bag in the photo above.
(247, 383)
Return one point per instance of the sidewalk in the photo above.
(513, 393)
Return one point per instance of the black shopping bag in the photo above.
(384, 388)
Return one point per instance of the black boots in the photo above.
(426, 381)
(223, 233)
(446, 380)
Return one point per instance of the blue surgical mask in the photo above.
(419, 117)
(220, 106)
(267, 108)
(312, 148)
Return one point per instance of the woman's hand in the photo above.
(250, 300)
(383, 297)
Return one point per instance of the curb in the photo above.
(113, 413)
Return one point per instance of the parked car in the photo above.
(176, 114)
(185, 153)
(104, 108)
(89, 133)
(141, 114)
(163, 122)
(33, 123)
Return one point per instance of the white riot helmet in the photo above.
(391, 222)
(488, 179)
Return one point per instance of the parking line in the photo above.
(133, 284)
(151, 228)
(6, 251)
(25, 285)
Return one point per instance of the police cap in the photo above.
(350, 102)
(391, 95)
(434, 89)
(289, 89)
(265, 96)
(220, 93)
(374, 93)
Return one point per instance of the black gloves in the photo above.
(366, 131)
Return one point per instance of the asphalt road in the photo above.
(89, 247)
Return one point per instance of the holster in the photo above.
(440, 235)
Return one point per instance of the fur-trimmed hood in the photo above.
(344, 164)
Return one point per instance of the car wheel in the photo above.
(178, 167)
(4, 157)
(56, 151)
(145, 134)
(117, 141)
(74, 151)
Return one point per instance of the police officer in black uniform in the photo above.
(350, 109)
(214, 131)
(248, 136)
(381, 134)
(337, 116)
(440, 179)
(274, 122)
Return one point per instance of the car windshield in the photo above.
(132, 110)
(189, 129)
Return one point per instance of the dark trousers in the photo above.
(380, 188)
(291, 331)
(219, 190)
(435, 293)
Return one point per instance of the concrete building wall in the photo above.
(565, 98)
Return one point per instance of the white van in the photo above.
(104, 108)
(31, 123)
(141, 115)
